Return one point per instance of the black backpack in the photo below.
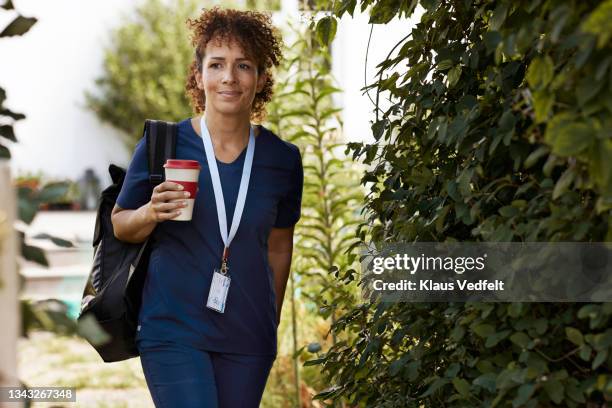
(113, 293)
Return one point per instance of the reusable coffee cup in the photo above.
(185, 173)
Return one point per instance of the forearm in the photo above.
(133, 226)
(280, 262)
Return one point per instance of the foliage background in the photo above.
(500, 130)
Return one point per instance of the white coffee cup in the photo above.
(185, 173)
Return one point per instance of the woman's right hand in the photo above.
(166, 203)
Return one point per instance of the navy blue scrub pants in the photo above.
(180, 376)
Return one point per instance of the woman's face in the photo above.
(229, 79)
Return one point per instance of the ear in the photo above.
(198, 78)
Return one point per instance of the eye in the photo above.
(214, 65)
(246, 66)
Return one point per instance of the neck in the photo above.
(227, 129)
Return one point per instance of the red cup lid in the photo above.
(182, 164)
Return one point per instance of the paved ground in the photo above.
(46, 359)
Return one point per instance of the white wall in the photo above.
(46, 72)
(348, 53)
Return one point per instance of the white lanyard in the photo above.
(216, 182)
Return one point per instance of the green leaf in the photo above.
(499, 16)
(543, 102)
(507, 122)
(451, 189)
(494, 339)
(8, 5)
(316, 361)
(444, 64)
(326, 30)
(11, 114)
(567, 136)
(396, 366)
(491, 40)
(587, 88)
(585, 352)
(600, 358)
(540, 72)
(554, 389)
(483, 330)
(4, 152)
(453, 75)
(18, 26)
(520, 339)
(298, 352)
(486, 381)
(524, 393)
(452, 370)
(53, 192)
(540, 325)
(598, 23)
(7, 132)
(462, 386)
(536, 155)
(515, 309)
(383, 11)
(439, 382)
(345, 6)
(603, 340)
(602, 68)
(574, 335)
(563, 183)
(575, 392)
(57, 241)
(508, 211)
(412, 369)
(27, 209)
(34, 254)
(600, 166)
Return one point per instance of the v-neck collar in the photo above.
(238, 158)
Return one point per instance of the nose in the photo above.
(228, 76)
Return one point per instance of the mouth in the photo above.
(230, 93)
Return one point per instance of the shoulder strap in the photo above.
(161, 145)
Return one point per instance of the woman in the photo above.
(192, 355)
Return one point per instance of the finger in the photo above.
(169, 215)
(172, 195)
(168, 186)
(169, 206)
(172, 186)
(157, 190)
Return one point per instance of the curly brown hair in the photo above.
(256, 35)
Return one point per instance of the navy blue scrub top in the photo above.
(185, 254)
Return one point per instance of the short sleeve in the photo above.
(290, 206)
(136, 190)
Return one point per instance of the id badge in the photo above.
(218, 292)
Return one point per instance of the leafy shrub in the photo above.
(499, 130)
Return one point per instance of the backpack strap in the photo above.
(161, 145)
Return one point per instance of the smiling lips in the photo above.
(230, 93)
